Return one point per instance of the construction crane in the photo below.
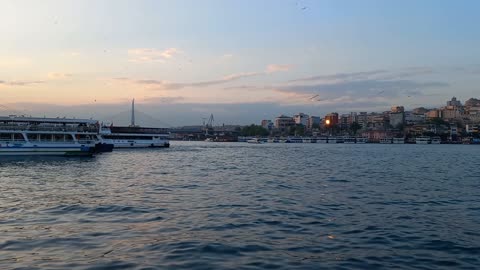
(209, 125)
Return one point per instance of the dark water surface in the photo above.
(241, 206)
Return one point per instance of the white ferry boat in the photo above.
(309, 140)
(423, 140)
(349, 140)
(32, 136)
(136, 137)
(322, 140)
(294, 140)
(273, 140)
(399, 140)
(255, 141)
(436, 140)
(361, 140)
(332, 139)
(386, 140)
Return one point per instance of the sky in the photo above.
(243, 61)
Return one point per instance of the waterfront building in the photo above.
(454, 102)
(362, 119)
(433, 114)
(412, 118)
(331, 119)
(420, 110)
(376, 121)
(397, 109)
(450, 112)
(344, 121)
(397, 116)
(313, 120)
(283, 123)
(301, 119)
(267, 124)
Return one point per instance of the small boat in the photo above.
(294, 140)
(399, 140)
(361, 140)
(332, 139)
(386, 141)
(255, 141)
(422, 140)
(322, 140)
(436, 140)
(349, 140)
(273, 140)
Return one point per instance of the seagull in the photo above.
(304, 8)
(314, 96)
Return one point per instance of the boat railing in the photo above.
(48, 128)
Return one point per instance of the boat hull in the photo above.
(132, 145)
(48, 151)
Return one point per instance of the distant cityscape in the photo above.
(456, 121)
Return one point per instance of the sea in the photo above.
(200, 205)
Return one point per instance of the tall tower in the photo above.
(133, 114)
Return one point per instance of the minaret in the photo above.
(133, 114)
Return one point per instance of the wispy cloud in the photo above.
(341, 76)
(20, 83)
(165, 85)
(227, 56)
(277, 68)
(59, 75)
(146, 55)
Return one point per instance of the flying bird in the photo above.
(314, 97)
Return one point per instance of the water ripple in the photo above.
(240, 206)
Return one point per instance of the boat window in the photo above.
(18, 137)
(5, 136)
(58, 137)
(68, 138)
(45, 137)
(32, 137)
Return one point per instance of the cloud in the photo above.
(20, 83)
(165, 85)
(277, 68)
(146, 55)
(163, 100)
(341, 76)
(227, 56)
(355, 90)
(59, 75)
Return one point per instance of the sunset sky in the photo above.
(240, 60)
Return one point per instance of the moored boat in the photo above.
(436, 140)
(399, 140)
(349, 140)
(361, 140)
(134, 136)
(386, 140)
(422, 140)
(33, 136)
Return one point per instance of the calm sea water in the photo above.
(242, 206)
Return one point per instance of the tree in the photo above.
(297, 130)
(355, 127)
(254, 130)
